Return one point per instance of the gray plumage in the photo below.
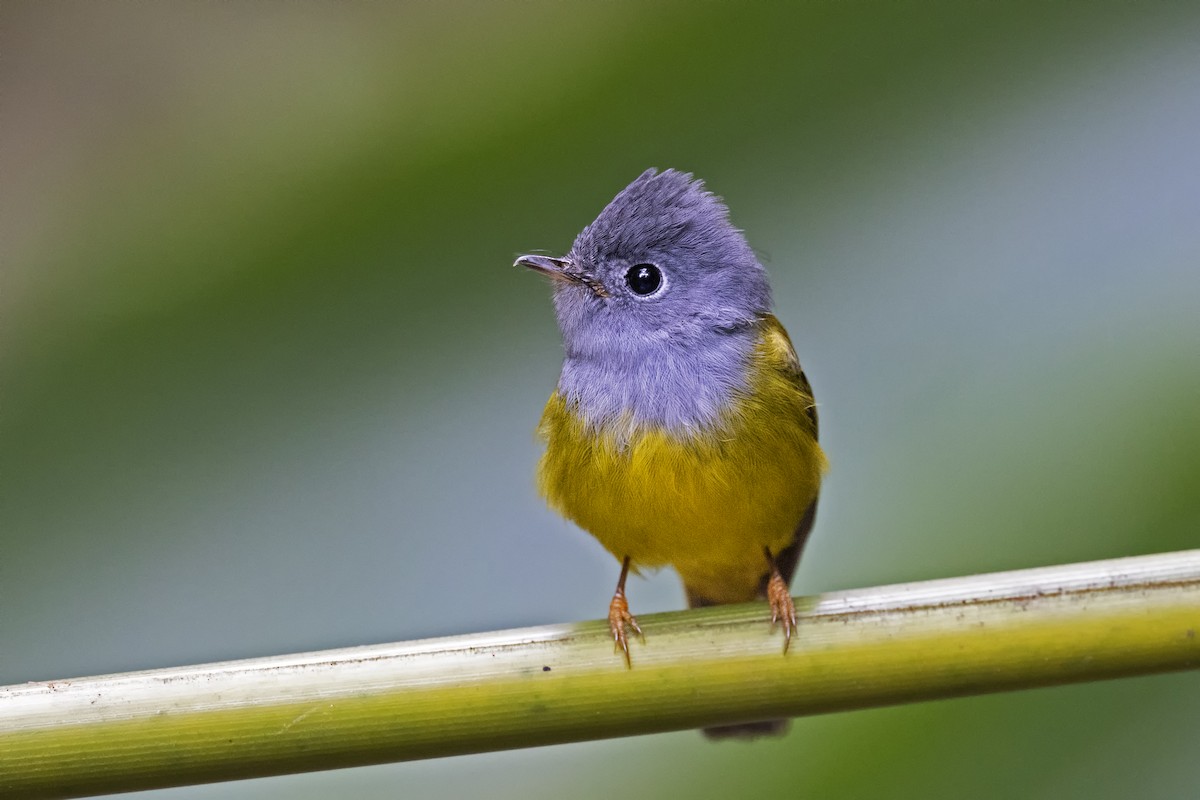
(674, 358)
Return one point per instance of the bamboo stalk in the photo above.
(563, 683)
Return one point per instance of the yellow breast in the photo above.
(705, 502)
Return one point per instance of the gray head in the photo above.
(661, 263)
(656, 288)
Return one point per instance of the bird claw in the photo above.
(783, 609)
(618, 618)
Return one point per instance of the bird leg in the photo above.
(783, 610)
(619, 616)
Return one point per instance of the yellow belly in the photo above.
(705, 503)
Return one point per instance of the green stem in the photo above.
(563, 683)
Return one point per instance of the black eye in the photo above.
(643, 279)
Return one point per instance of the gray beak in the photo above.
(562, 269)
(554, 267)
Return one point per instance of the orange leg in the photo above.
(782, 608)
(619, 616)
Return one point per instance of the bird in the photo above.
(682, 431)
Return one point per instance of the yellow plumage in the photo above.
(705, 502)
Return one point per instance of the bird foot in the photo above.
(618, 618)
(783, 610)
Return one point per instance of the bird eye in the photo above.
(644, 279)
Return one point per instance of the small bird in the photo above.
(682, 431)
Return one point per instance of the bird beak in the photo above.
(554, 267)
(561, 269)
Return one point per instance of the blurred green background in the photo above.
(268, 381)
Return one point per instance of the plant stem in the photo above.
(563, 683)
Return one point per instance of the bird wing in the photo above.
(782, 357)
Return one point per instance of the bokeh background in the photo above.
(268, 380)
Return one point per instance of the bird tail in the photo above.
(785, 562)
(747, 731)
(741, 731)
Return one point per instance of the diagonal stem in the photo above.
(560, 683)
